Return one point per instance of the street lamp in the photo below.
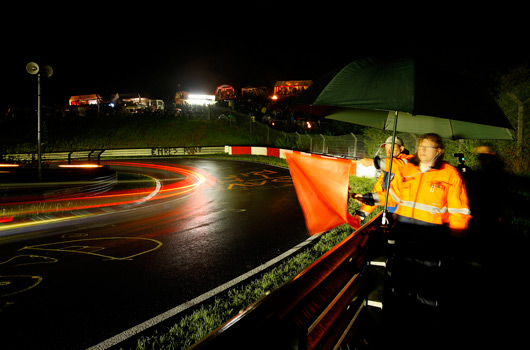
(33, 68)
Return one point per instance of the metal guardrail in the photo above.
(321, 308)
(97, 155)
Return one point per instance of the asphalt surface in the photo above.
(75, 283)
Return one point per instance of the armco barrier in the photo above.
(357, 168)
(324, 307)
(96, 155)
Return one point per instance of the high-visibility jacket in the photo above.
(380, 186)
(437, 196)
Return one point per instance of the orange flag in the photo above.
(321, 185)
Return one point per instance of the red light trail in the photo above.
(193, 179)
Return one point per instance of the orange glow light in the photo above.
(80, 166)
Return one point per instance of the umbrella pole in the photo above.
(385, 221)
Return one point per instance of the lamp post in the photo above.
(33, 68)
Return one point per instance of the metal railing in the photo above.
(321, 308)
(97, 155)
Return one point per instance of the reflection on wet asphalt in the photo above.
(73, 286)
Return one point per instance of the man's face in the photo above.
(427, 150)
(397, 149)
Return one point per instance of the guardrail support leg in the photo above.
(99, 156)
(89, 155)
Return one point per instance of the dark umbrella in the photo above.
(407, 95)
(429, 98)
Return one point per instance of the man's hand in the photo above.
(367, 162)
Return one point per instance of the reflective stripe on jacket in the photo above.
(437, 196)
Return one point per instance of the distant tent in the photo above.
(254, 91)
(291, 87)
(225, 92)
(181, 97)
(133, 99)
(84, 100)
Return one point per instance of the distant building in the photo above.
(181, 97)
(135, 103)
(285, 88)
(225, 92)
(85, 100)
(254, 91)
(184, 97)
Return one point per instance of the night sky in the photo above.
(155, 49)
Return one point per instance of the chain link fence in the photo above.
(515, 154)
(349, 145)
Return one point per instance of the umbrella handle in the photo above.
(384, 219)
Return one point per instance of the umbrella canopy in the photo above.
(428, 98)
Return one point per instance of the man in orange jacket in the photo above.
(400, 158)
(431, 191)
(420, 267)
(426, 190)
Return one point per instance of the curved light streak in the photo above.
(193, 179)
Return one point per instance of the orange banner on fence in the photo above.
(321, 185)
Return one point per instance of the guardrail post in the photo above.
(99, 156)
(90, 154)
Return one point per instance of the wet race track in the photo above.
(73, 284)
